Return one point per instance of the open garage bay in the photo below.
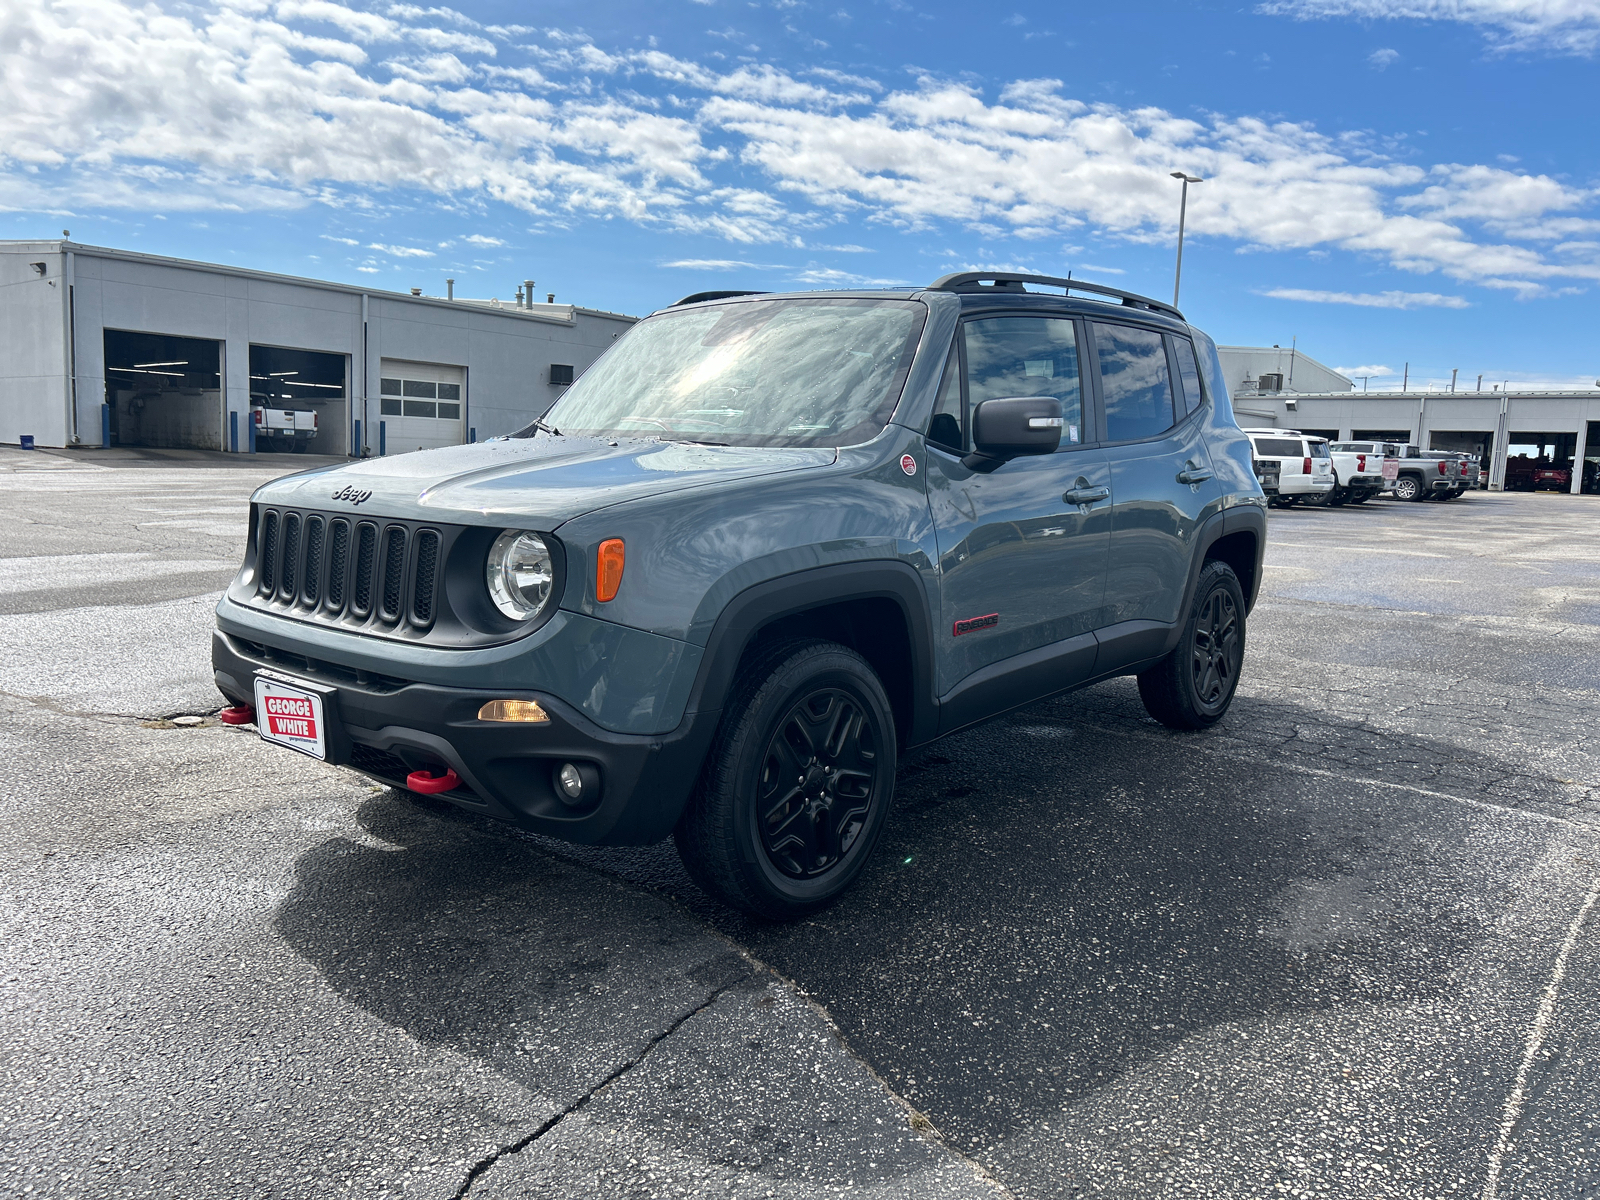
(1342, 945)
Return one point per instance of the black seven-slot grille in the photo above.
(376, 573)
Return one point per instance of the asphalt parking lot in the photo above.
(1342, 945)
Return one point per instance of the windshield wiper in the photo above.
(690, 442)
(539, 424)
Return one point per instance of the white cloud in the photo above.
(401, 251)
(1380, 60)
(328, 237)
(831, 277)
(274, 116)
(1366, 372)
(480, 239)
(715, 264)
(1370, 299)
(1566, 26)
(1100, 270)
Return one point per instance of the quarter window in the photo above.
(945, 428)
(1026, 356)
(1134, 381)
(1188, 373)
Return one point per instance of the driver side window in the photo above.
(947, 428)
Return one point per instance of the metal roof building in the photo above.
(110, 347)
(1561, 427)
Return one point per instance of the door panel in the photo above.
(1010, 545)
(1162, 486)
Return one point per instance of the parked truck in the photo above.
(288, 430)
(1360, 471)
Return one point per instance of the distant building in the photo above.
(1561, 428)
(1265, 370)
(110, 347)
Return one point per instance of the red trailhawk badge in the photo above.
(908, 464)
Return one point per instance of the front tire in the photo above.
(1194, 685)
(796, 785)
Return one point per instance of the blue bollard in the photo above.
(383, 438)
(233, 431)
(356, 447)
(472, 434)
(251, 426)
(27, 441)
(105, 427)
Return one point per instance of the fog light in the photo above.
(514, 710)
(570, 780)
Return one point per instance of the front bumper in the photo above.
(385, 728)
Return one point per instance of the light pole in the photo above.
(1183, 211)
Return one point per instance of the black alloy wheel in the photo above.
(1193, 686)
(797, 783)
(818, 783)
(1218, 649)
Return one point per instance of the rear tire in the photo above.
(1360, 497)
(1409, 487)
(796, 784)
(1194, 685)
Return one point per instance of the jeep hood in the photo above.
(538, 481)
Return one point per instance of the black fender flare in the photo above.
(1240, 518)
(818, 587)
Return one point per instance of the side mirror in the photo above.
(1012, 426)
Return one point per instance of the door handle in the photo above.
(1084, 494)
(1193, 472)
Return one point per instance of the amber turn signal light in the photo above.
(608, 569)
(514, 710)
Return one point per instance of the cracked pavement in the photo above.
(1307, 952)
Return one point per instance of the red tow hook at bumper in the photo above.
(239, 714)
(431, 785)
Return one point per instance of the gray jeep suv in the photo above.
(765, 545)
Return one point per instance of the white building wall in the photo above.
(33, 357)
(506, 353)
(1300, 372)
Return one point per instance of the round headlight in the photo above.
(520, 574)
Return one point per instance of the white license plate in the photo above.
(290, 716)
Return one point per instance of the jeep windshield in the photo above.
(815, 371)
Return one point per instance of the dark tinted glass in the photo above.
(945, 426)
(1135, 381)
(1026, 356)
(449, 391)
(1188, 373)
(390, 387)
(416, 387)
(1280, 447)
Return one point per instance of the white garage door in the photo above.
(422, 405)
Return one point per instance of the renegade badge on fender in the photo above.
(762, 547)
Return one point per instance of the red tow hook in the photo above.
(429, 785)
(239, 714)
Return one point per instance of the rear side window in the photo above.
(1317, 449)
(1026, 356)
(1188, 373)
(1279, 447)
(1134, 381)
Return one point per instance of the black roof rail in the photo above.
(702, 297)
(1009, 281)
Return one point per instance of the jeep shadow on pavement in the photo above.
(763, 546)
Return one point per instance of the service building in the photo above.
(110, 347)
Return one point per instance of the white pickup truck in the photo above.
(1361, 470)
(283, 429)
(1305, 472)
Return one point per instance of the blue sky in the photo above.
(1388, 181)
